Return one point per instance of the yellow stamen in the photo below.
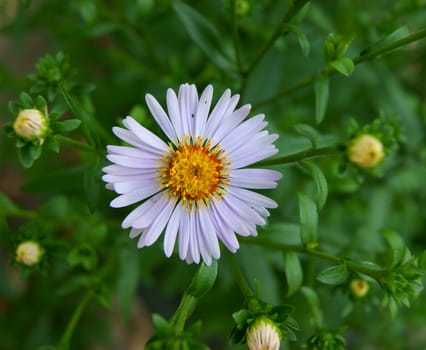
(194, 172)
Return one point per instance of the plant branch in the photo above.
(353, 266)
(281, 30)
(64, 343)
(80, 145)
(368, 56)
(302, 155)
(235, 38)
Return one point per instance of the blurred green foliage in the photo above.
(312, 68)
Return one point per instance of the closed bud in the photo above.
(263, 334)
(366, 151)
(31, 125)
(29, 253)
(359, 287)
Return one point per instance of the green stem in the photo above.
(80, 145)
(353, 266)
(281, 30)
(28, 214)
(368, 56)
(64, 343)
(305, 154)
(183, 312)
(240, 279)
(372, 54)
(235, 38)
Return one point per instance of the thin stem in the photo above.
(235, 38)
(305, 154)
(64, 343)
(281, 30)
(183, 312)
(240, 279)
(368, 56)
(353, 266)
(80, 145)
(371, 54)
(28, 214)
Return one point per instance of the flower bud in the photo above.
(29, 253)
(31, 125)
(366, 151)
(263, 335)
(359, 287)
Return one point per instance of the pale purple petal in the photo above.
(174, 113)
(172, 230)
(160, 117)
(254, 178)
(145, 213)
(144, 135)
(152, 233)
(202, 111)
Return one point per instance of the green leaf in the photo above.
(397, 246)
(203, 280)
(89, 123)
(26, 100)
(314, 302)
(6, 205)
(127, 281)
(320, 182)
(321, 97)
(52, 144)
(25, 157)
(334, 275)
(66, 125)
(303, 41)
(343, 65)
(92, 184)
(160, 323)
(293, 272)
(35, 151)
(309, 132)
(202, 33)
(308, 219)
(397, 34)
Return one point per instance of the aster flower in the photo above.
(196, 187)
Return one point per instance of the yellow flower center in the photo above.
(194, 172)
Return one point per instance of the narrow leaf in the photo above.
(303, 41)
(343, 65)
(308, 219)
(320, 182)
(309, 132)
(333, 275)
(202, 33)
(66, 125)
(293, 272)
(127, 281)
(321, 97)
(6, 205)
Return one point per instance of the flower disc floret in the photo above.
(196, 187)
(194, 172)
